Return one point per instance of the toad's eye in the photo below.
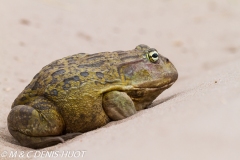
(153, 56)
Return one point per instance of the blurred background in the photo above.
(197, 36)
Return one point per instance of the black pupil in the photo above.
(155, 55)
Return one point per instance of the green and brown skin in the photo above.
(82, 92)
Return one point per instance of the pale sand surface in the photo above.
(196, 119)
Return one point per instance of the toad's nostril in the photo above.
(167, 60)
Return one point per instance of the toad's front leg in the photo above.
(118, 105)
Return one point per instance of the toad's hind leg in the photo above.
(38, 124)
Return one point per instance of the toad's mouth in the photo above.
(154, 87)
(165, 81)
(139, 92)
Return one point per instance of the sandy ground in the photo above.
(197, 118)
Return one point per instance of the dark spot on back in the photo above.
(60, 65)
(71, 60)
(84, 74)
(23, 99)
(59, 72)
(67, 83)
(46, 69)
(66, 86)
(96, 64)
(74, 78)
(54, 92)
(53, 81)
(31, 94)
(36, 86)
(121, 53)
(56, 64)
(99, 75)
(94, 57)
